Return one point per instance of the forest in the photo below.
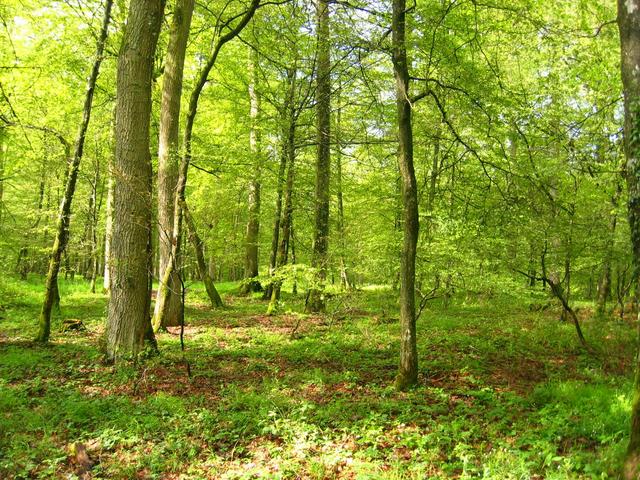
(333, 239)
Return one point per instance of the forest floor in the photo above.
(504, 393)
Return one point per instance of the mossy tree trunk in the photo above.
(196, 242)
(64, 215)
(629, 26)
(316, 298)
(128, 322)
(408, 370)
(287, 213)
(169, 156)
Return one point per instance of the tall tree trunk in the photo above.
(108, 228)
(287, 213)
(629, 25)
(93, 274)
(185, 159)
(344, 277)
(253, 223)
(2, 155)
(287, 115)
(64, 215)
(315, 299)
(169, 154)
(408, 371)
(128, 321)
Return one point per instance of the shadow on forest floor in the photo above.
(503, 393)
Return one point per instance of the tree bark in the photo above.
(251, 284)
(629, 26)
(287, 213)
(315, 299)
(344, 276)
(2, 155)
(194, 238)
(185, 160)
(169, 153)
(64, 215)
(108, 228)
(128, 320)
(604, 282)
(408, 370)
(287, 114)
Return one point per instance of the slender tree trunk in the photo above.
(629, 25)
(408, 371)
(604, 282)
(287, 114)
(315, 299)
(64, 216)
(253, 223)
(128, 322)
(169, 154)
(108, 228)
(93, 274)
(194, 238)
(2, 155)
(287, 214)
(185, 160)
(344, 277)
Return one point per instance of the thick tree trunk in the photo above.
(408, 371)
(185, 160)
(629, 25)
(315, 299)
(253, 205)
(128, 320)
(169, 154)
(64, 215)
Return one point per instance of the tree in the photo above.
(629, 26)
(315, 299)
(169, 153)
(408, 371)
(128, 322)
(251, 284)
(64, 217)
(185, 160)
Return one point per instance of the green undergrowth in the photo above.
(505, 392)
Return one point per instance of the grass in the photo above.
(504, 393)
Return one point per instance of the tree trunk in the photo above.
(169, 153)
(408, 371)
(287, 114)
(253, 223)
(94, 213)
(287, 214)
(315, 299)
(194, 238)
(130, 260)
(629, 25)
(2, 155)
(344, 277)
(604, 282)
(108, 228)
(185, 160)
(64, 215)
